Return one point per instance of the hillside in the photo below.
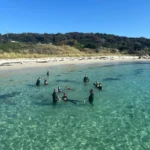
(70, 44)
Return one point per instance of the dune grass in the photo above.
(49, 50)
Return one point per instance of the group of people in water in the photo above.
(45, 80)
(39, 80)
(98, 85)
(57, 91)
(64, 97)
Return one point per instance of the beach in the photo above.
(38, 62)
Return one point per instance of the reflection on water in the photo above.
(119, 119)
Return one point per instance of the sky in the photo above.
(129, 18)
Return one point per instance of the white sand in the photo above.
(37, 62)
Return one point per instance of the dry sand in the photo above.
(37, 62)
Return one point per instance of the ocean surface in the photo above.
(119, 119)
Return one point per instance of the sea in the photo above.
(119, 119)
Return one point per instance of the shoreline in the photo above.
(41, 62)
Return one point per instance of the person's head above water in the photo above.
(91, 91)
(58, 87)
(65, 94)
(85, 75)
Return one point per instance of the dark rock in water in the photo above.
(120, 75)
(13, 94)
(111, 79)
(129, 106)
(138, 72)
(72, 81)
(62, 80)
(58, 75)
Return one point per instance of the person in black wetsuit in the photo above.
(91, 97)
(45, 82)
(38, 82)
(64, 97)
(96, 83)
(86, 79)
(59, 90)
(55, 97)
(99, 86)
(47, 73)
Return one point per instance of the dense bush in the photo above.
(78, 40)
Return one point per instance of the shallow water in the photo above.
(120, 118)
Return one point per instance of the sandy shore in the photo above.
(37, 62)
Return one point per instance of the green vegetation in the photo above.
(70, 44)
(25, 50)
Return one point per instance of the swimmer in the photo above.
(55, 97)
(47, 73)
(38, 81)
(86, 79)
(59, 90)
(45, 82)
(64, 97)
(68, 88)
(100, 86)
(96, 83)
(91, 97)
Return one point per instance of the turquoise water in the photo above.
(119, 120)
